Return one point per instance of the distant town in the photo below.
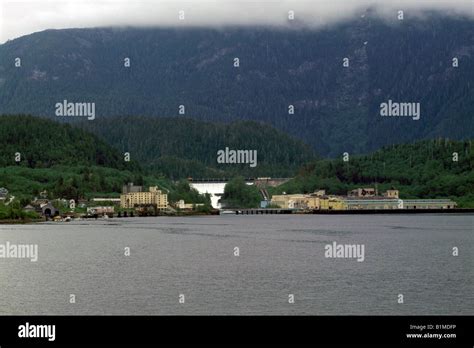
(135, 200)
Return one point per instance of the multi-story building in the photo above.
(153, 197)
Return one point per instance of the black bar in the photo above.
(224, 330)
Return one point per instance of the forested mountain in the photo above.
(65, 161)
(41, 143)
(69, 161)
(336, 107)
(182, 147)
(437, 168)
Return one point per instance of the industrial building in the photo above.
(314, 201)
(373, 203)
(428, 204)
(358, 199)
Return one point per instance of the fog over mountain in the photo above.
(18, 18)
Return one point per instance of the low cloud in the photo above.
(19, 17)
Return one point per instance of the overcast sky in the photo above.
(20, 17)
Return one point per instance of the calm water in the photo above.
(279, 255)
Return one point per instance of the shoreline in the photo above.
(20, 222)
(458, 211)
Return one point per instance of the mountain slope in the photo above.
(336, 108)
(42, 143)
(65, 161)
(182, 147)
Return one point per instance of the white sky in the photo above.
(21, 17)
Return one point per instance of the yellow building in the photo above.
(296, 201)
(332, 203)
(281, 201)
(391, 193)
(313, 202)
(152, 197)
